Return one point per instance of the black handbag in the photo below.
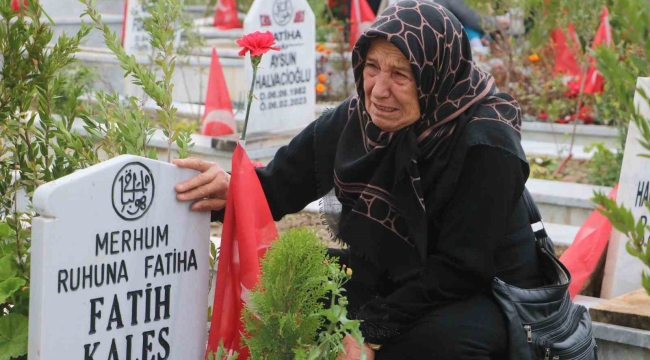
(543, 322)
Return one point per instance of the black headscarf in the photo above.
(387, 182)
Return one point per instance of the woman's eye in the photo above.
(402, 76)
(371, 65)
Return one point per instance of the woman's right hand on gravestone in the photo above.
(208, 190)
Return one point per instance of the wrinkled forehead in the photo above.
(385, 53)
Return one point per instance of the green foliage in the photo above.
(543, 167)
(286, 317)
(628, 60)
(244, 5)
(119, 128)
(623, 220)
(222, 354)
(38, 105)
(549, 15)
(162, 25)
(13, 336)
(605, 165)
(324, 19)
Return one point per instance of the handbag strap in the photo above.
(534, 215)
(535, 218)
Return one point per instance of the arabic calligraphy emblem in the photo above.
(133, 190)
(282, 12)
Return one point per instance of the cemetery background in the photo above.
(564, 205)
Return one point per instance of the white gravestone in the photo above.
(137, 40)
(286, 79)
(58, 9)
(622, 270)
(119, 266)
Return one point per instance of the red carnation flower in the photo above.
(16, 5)
(258, 43)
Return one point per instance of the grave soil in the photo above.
(302, 219)
(543, 167)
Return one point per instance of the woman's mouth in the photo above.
(384, 108)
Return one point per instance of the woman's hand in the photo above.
(210, 187)
(353, 350)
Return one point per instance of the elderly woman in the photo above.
(427, 164)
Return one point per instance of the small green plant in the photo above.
(604, 166)
(222, 354)
(542, 167)
(38, 104)
(623, 220)
(298, 311)
(162, 25)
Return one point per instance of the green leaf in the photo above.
(9, 287)
(645, 281)
(5, 230)
(7, 268)
(13, 336)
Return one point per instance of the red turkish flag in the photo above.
(248, 230)
(581, 258)
(565, 51)
(126, 9)
(265, 20)
(226, 16)
(565, 58)
(361, 17)
(595, 81)
(218, 118)
(300, 16)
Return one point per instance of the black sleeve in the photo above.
(460, 264)
(289, 180)
(299, 173)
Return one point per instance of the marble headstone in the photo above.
(136, 38)
(285, 83)
(119, 266)
(622, 270)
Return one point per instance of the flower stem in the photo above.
(248, 107)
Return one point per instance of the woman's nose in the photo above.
(381, 89)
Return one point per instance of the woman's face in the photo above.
(390, 91)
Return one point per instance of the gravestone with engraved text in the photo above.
(119, 266)
(285, 83)
(622, 270)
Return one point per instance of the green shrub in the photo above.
(604, 166)
(287, 317)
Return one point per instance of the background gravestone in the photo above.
(622, 270)
(285, 84)
(66, 15)
(136, 38)
(119, 266)
(137, 41)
